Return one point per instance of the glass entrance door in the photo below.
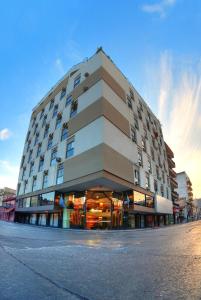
(98, 210)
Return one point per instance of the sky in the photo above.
(156, 44)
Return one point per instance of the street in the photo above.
(47, 263)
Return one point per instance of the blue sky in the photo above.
(155, 43)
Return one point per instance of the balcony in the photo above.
(172, 173)
(171, 163)
(173, 183)
(170, 154)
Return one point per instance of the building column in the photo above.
(66, 218)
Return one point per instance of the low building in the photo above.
(185, 199)
(197, 209)
(94, 155)
(7, 210)
(6, 192)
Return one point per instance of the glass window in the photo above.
(139, 198)
(44, 120)
(129, 102)
(139, 157)
(64, 133)
(70, 149)
(149, 166)
(41, 164)
(30, 156)
(143, 144)
(39, 149)
(77, 80)
(147, 182)
(45, 180)
(149, 201)
(53, 157)
(31, 169)
(63, 93)
(55, 111)
(69, 99)
(50, 142)
(46, 199)
(136, 122)
(34, 201)
(51, 104)
(23, 172)
(36, 138)
(58, 121)
(34, 184)
(60, 174)
(155, 186)
(42, 114)
(137, 177)
(46, 130)
(133, 134)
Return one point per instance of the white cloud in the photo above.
(59, 65)
(179, 110)
(8, 174)
(159, 7)
(5, 134)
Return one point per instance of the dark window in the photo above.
(137, 177)
(129, 102)
(69, 99)
(42, 114)
(39, 149)
(36, 138)
(51, 104)
(41, 164)
(136, 122)
(77, 80)
(144, 144)
(31, 169)
(155, 186)
(45, 180)
(147, 182)
(50, 142)
(55, 111)
(140, 158)
(23, 172)
(70, 149)
(46, 130)
(34, 187)
(63, 93)
(58, 121)
(30, 156)
(44, 120)
(64, 133)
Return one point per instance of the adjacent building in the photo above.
(94, 155)
(185, 193)
(7, 204)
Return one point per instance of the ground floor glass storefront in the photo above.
(92, 210)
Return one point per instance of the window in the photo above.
(139, 157)
(63, 93)
(50, 141)
(167, 192)
(129, 102)
(36, 138)
(22, 162)
(44, 120)
(41, 164)
(148, 126)
(73, 110)
(58, 121)
(45, 180)
(51, 104)
(64, 132)
(70, 149)
(42, 114)
(46, 199)
(141, 106)
(145, 134)
(30, 155)
(69, 99)
(136, 122)
(157, 173)
(162, 190)
(155, 186)
(60, 174)
(139, 198)
(132, 95)
(149, 166)
(34, 187)
(144, 144)
(46, 130)
(147, 181)
(31, 169)
(152, 154)
(137, 177)
(23, 172)
(139, 113)
(36, 126)
(55, 111)
(39, 149)
(53, 157)
(28, 145)
(25, 186)
(163, 177)
(28, 135)
(133, 134)
(77, 80)
(34, 121)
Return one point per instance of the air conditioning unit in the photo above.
(58, 159)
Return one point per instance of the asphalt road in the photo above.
(44, 263)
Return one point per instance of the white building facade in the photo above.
(94, 155)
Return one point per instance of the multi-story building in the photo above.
(185, 193)
(94, 155)
(173, 183)
(7, 210)
(6, 192)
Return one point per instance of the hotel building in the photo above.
(94, 155)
